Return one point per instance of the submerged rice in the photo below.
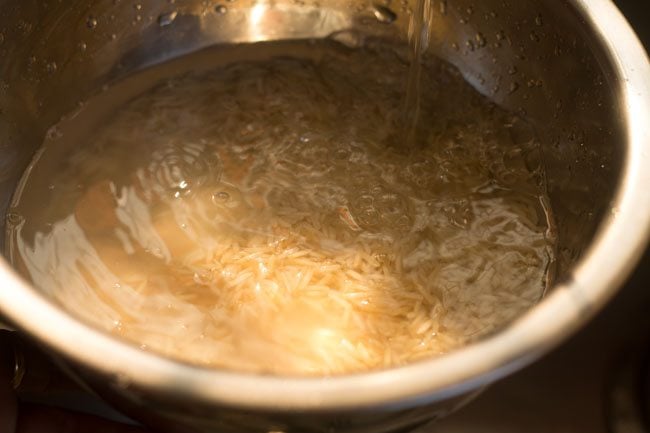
(253, 218)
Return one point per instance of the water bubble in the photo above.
(53, 133)
(91, 22)
(137, 7)
(383, 14)
(459, 213)
(51, 67)
(179, 170)
(166, 19)
(25, 27)
(2, 38)
(539, 21)
(379, 206)
(514, 86)
(220, 197)
(534, 36)
(82, 46)
(14, 218)
(480, 40)
(220, 9)
(369, 218)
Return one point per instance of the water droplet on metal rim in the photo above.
(91, 23)
(166, 19)
(383, 14)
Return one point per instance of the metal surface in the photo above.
(574, 67)
(589, 385)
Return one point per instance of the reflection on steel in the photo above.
(579, 73)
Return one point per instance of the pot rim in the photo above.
(610, 258)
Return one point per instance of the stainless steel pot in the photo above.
(573, 66)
